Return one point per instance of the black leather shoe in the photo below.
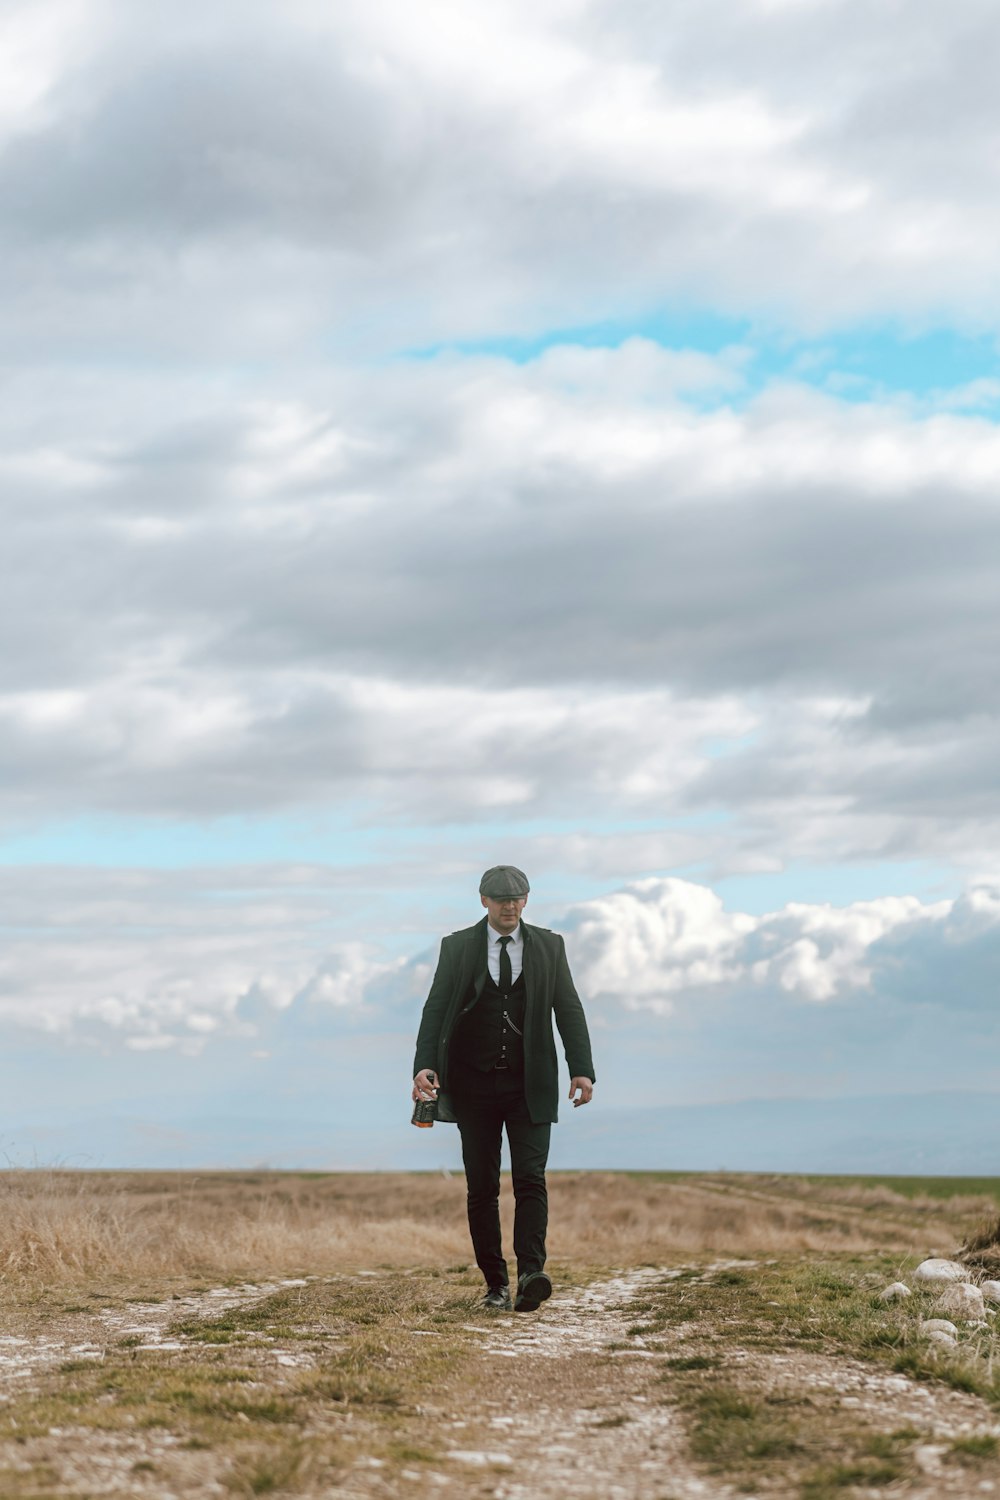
(497, 1298)
(533, 1288)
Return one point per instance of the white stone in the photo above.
(480, 1460)
(963, 1302)
(940, 1272)
(939, 1325)
(942, 1339)
(895, 1293)
(990, 1290)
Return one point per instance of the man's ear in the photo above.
(482, 900)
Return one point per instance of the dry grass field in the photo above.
(226, 1334)
(58, 1226)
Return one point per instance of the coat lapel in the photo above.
(474, 970)
(529, 967)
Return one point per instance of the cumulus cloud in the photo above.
(151, 959)
(175, 958)
(228, 995)
(659, 938)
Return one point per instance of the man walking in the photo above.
(485, 1049)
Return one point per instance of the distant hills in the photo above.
(942, 1134)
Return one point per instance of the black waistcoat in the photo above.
(491, 1034)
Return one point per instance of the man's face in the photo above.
(504, 915)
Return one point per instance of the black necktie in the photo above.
(506, 972)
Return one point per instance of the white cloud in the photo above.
(41, 41)
(833, 954)
(561, 588)
(233, 991)
(242, 959)
(397, 180)
(658, 938)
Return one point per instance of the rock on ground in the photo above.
(936, 1272)
(963, 1302)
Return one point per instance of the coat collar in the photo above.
(475, 966)
(476, 959)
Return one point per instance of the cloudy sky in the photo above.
(561, 433)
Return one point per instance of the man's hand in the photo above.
(424, 1085)
(586, 1090)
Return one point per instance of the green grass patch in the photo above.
(407, 1453)
(831, 1480)
(828, 1305)
(917, 1187)
(731, 1429)
(975, 1448)
(758, 1428)
(268, 1473)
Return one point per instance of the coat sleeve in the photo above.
(571, 1021)
(435, 1009)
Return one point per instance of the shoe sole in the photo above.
(533, 1297)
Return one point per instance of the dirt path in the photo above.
(567, 1400)
(576, 1406)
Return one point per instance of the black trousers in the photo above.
(485, 1104)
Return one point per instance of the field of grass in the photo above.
(58, 1225)
(758, 1330)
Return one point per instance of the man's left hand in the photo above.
(584, 1087)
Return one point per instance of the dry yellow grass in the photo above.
(61, 1225)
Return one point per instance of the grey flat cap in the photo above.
(503, 883)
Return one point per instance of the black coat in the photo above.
(458, 984)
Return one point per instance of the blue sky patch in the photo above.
(861, 363)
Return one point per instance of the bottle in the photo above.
(425, 1111)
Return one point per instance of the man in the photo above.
(485, 1050)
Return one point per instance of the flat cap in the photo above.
(504, 883)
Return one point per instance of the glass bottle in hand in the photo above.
(425, 1110)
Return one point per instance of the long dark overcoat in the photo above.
(549, 992)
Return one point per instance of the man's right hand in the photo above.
(424, 1085)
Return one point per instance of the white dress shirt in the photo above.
(515, 949)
